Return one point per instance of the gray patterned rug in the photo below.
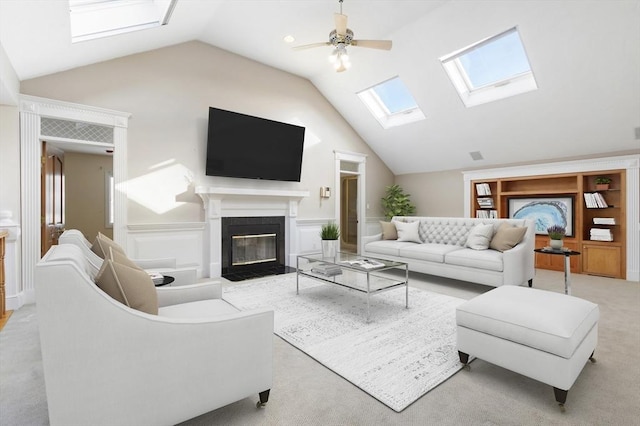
(397, 357)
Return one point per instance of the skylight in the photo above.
(91, 19)
(391, 103)
(492, 69)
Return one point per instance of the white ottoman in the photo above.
(540, 334)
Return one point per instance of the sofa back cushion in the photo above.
(452, 230)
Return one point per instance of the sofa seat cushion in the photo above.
(390, 248)
(544, 320)
(428, 252)
(200, 309)
(479, 259)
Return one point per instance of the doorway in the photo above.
(349, 213)
(52, 192)
(350, 193)
(65, 123)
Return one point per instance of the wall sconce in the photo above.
(325, 192)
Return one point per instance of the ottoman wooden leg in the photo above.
(561, 395)
(464, 358)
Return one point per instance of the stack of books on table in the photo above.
(156, 277)
(597, 234)
(328, 269)
(604, 221)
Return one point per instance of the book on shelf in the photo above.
(328, 269)
(604, 221)
(598, 234)
(594, 200)
(485, 202)
(487, 214)
(483, 189)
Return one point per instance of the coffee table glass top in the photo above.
(354, 261)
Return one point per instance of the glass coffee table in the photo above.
(361, 273)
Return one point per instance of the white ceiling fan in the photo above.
(341, 38)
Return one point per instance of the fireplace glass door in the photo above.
(253, 249)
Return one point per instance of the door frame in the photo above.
(32, 109)
(361, 161)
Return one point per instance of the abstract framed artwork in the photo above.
(544, 211)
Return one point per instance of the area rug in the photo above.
(400, 355)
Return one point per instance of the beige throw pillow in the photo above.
(121, 258)
(389, 231)
(132, 287)
(507, 237)
(408, 231)
(479, 237)
(101, 245)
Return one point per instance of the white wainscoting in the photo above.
(309, 232)
(183, 241)
(186, 241)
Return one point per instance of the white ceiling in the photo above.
(585, 57)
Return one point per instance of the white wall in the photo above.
(435, 194)
(168, 91)
(85, 196)
(10, 160)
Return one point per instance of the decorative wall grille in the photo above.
(75, 130)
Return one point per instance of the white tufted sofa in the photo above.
(443, 252)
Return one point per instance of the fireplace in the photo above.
(222, 202)
(253, 247)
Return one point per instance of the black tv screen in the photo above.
(243, 146)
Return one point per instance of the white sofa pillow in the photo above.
(408, 231)
(480, 237)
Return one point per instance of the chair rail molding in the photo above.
(630, 163)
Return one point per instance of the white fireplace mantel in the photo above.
(208, 192)
(222, 202)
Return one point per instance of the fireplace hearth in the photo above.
(253, 247)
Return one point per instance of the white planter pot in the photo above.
(555, 244)
(329, 248)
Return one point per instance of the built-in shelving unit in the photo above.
(598, 229)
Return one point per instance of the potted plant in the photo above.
(397, 203)
(329, 233)
(602, 183)
(556, 235)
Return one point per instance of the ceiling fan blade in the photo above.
(312, 45)
(341, 23)
(373, 44)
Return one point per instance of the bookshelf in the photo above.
(484, 200)
(599, 216)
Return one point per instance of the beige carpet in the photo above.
(307, 393)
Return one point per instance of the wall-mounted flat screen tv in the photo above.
(243, 146)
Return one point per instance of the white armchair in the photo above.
(106, 364)
(162, 265)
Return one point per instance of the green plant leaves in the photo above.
(397, 203)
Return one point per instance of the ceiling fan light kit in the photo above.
(340, 38)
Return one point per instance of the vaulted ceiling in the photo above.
(585, 57)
